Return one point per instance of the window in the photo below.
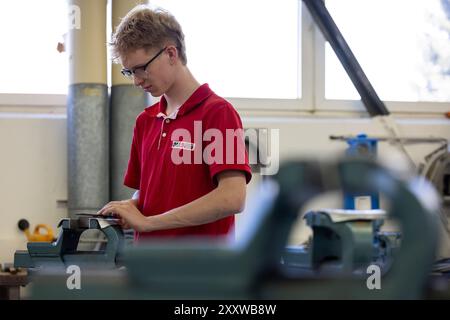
(262, 54)
(30, 31)
(245, 49)
(403, 47)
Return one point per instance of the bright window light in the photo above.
(403, 47)
(246, 49)
(30, 31)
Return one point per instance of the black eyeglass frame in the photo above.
(131, 72)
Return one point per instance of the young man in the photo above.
(190, 176)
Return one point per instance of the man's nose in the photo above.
(137, 81)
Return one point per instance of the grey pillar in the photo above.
(127, 101)
(87, 115)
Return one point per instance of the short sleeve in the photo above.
(227, 152)
(133, 173)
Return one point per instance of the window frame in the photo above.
(32, 99)
(311, 69)
(305, 73)
(323, 104)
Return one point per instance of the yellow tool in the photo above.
(37, 236)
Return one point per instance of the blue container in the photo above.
(361, 146)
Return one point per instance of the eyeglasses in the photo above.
(140, 71)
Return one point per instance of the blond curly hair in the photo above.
(146, 28)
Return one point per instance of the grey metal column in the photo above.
(87, 115)
(127, 101)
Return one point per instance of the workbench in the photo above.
(11, 279)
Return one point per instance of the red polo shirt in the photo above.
(175, 158)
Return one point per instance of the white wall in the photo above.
(33, 157)
(33, 162)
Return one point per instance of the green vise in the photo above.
(343, 241)
(45, 256)
(250, 268)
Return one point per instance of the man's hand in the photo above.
(127, 212)
(228, 198)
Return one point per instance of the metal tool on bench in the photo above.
(343, 241)
(351, 240)
(64, 251)
(435, 167)
(347, 240)
(250, 267)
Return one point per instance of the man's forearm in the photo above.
(211, 207)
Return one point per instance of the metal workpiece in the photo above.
(87, 223)
(127, 101)
(58, 255)
(88, 148)
(343, 215)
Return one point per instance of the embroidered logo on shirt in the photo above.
(183, 145)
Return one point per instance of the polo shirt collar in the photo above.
(199, 95)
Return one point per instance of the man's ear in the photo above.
(172, 51)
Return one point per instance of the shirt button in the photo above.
(167, 121)
(164, 134)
